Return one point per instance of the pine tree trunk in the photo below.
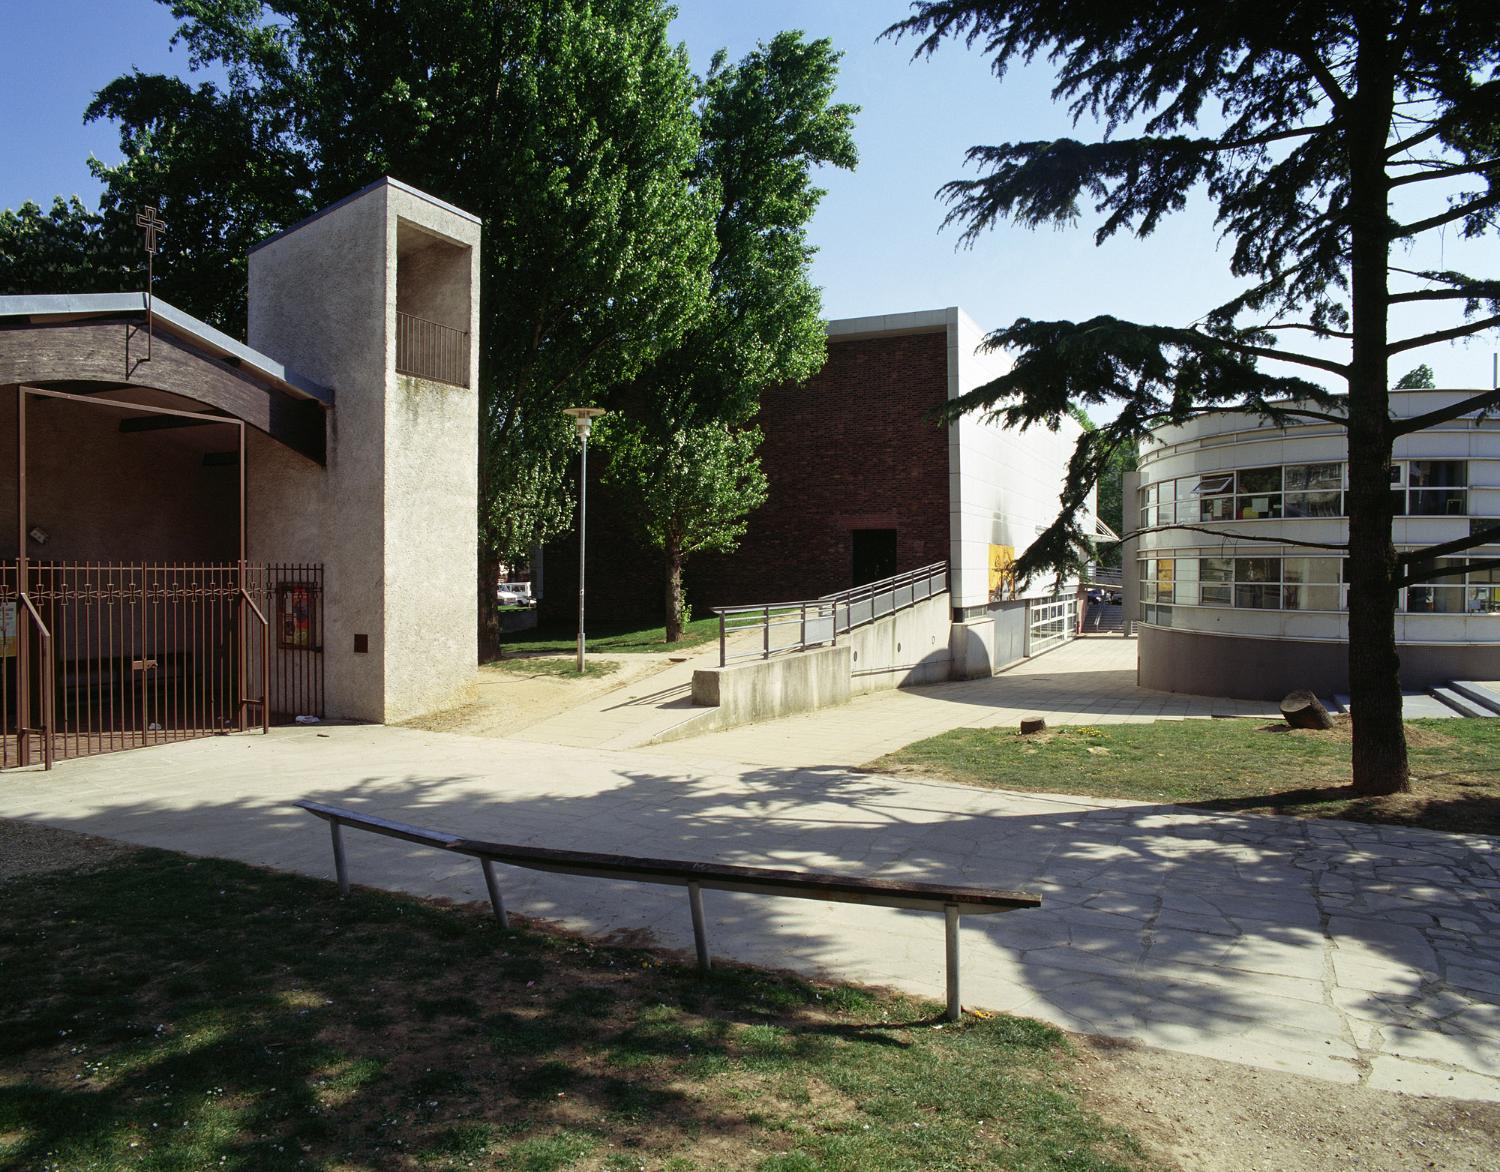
(674, 588)
(1380, 762)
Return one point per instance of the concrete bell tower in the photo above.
(377, 297)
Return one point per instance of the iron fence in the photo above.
(429, 349)
(795, 626)
(101, 657)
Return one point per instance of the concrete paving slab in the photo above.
(1235, 937)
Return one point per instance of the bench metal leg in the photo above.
(339, 866)
(494, 888)
(950, 912)
(700, 935)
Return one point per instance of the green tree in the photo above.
(1418, 378)
(692, 491)
(568, 126)
(1305, 123)
(766, 123)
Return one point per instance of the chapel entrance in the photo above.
(100, 652)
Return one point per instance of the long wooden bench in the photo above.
(952, 901)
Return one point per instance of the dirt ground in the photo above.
(1203, 1115)
(1195, 1114)
(509, 701)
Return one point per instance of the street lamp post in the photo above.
(583, 419)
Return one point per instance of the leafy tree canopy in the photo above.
(1418, 378)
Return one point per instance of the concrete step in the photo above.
(1479, 695)
(1459, 704)
(1422, 705)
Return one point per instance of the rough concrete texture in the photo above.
(906, 648)
(744, 693)
(392, 515)
(1352, 953)
(971, 649)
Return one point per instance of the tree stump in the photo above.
(1032, 724)
(1304, 710)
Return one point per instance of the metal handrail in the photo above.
(48, 690)
(696, 877)
(429, 349)
(823, 620)
(265, 663)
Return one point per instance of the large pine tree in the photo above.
(1305, 123)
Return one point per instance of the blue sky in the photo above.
(878, 231)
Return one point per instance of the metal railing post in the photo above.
(700, 934)
(723, 661)
(950, 915)
(340, 868)
(496, 901)
(766, 633)
(802, 632)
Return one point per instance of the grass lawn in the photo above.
(1236, 765)
(163, 1012)
(647, 639)
(564, 667)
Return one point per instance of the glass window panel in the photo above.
(1310, 569)
(1257, 569)
(1437, 473)
(1215, 484)
(1484, 600)
(1259, 480)
(1259, 507)
(1151, 494)
(1257, 597)
(1298, 597)
(1439, 502)
(1215, 595)
(1216, 569)
(1187, 512)
(1490, 575)
(1398, 474)
(1167, 491)
(1313, 504)
(1435, 599)
(1428, 565)
(1314, 476)
(1219, 508)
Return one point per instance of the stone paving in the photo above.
(1353, 953)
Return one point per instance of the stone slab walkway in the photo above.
(1087, 681)
(1351, 953)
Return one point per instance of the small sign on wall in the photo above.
(296, 609)
(9, 629)
(1002, 572)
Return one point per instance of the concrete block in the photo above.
(801, 682)
(971, 649)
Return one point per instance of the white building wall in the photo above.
(1004, 484)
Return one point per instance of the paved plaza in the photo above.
(1352, 953)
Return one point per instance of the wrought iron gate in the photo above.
(96, 658)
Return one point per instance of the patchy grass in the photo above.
(552, 665)
(163, 1012)
(637, 639)
(1239, 765)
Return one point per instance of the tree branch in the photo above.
(1238, 536)
(1321, 331)
(1437, 221)
(1443, 295)
(1441, 173)
(1457, 545)
(1479, 402)
(1437, 572)
(1462, 331)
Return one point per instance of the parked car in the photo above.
(514, 594)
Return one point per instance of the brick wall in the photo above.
(850, 449)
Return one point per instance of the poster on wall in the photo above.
(297, 608)
(9, 629)
(1002, 572)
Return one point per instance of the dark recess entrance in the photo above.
(874, 555)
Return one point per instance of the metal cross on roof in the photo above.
(149, 219)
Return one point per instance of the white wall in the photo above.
(1004, 484)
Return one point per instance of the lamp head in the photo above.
(583, 418)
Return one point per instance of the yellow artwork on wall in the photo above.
(1002, 572)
